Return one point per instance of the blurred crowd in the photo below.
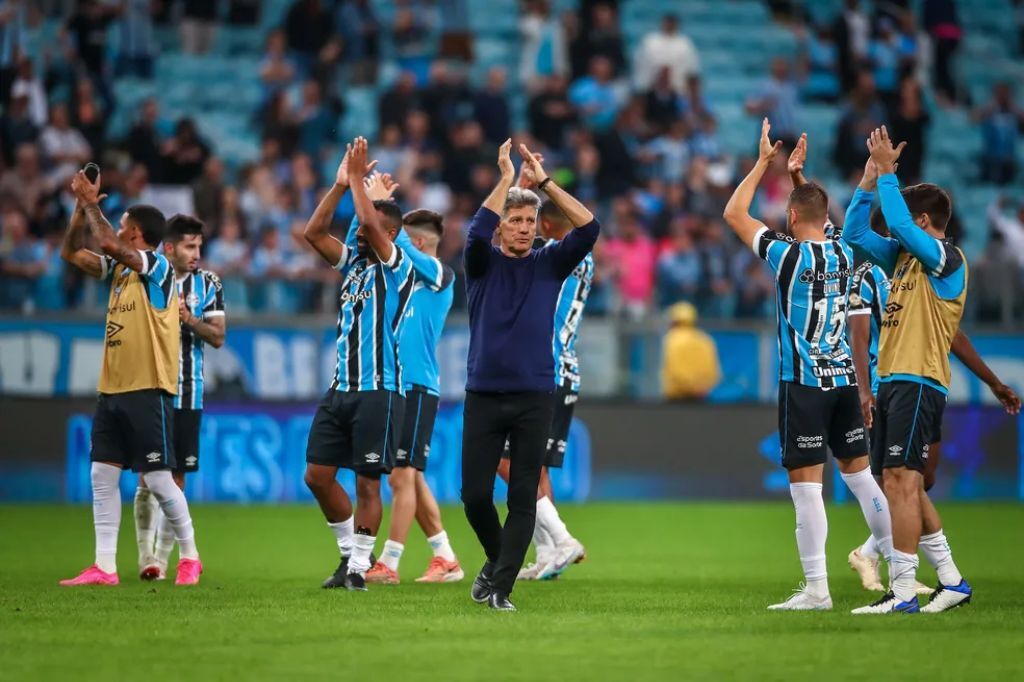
(628, 128)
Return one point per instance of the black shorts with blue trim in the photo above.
(813, 420)
(356, 430)
(418, 429)
(187, 424)
(908, 415)
(134, 430)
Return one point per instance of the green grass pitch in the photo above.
(669, 592)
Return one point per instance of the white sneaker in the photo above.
(887, 604)
(867, 569)
(802, 600)
(150, 569)
(949, 597)
(566, 555)
(530, 571)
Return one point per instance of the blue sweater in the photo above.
(512, 306)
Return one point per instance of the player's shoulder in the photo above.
(447, 275)
(210, 277)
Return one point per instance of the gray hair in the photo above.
(518, 198)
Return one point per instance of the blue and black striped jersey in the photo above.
(202, 292)
(373, 299)
(568, 312)
(868, 296)
(812, 288)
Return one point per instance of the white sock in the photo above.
(146, 511)
(904, 575)
(175, 507)
(936, 550)
(392, 554)
(869, 550)
(164, 540)
(811, 532)
(545, 547)
(875, 508)
(362, 546)
(547, 517)
(343, 532)
(106, 513)
(441, 547)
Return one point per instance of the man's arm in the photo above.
(857, 224)
(212, 330)
(577, 213)
(859, 326)
(737, 211)
(965, 352)
(73, 251)
(481, 227)
(318, 228)
(374, 232)
(87, 194)
(427, 268)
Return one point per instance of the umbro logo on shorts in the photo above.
(372, 457)
(895, 451)
(154, 457)
(191, 460)
(401, 453)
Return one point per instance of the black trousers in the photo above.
(490, 418)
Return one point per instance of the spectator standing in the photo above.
(886, 56)
(65, 150)
(943, 25)
(862, 112)
(137, 46)
(678, 270)
(22, 262)
(88, 27)
(634, 255)
(198, 26)
(909, 123)
(277, 70)
(852, 34)
(317, 127)
(600, 39)
(89, 115)
(671, 153)
(360, 32)
(779, 101)
(551, 114)
(596, 97)
(27, 83)
(413, 33)
(544, 51)
(490, 107)
(12, 38)
(689, 366)
(24, 184)
(228, 256)
(820, 56)
(1009, 228)
(666, 48)
(144, 140)
(395, 104)
(184, 154)
(308, 28)
(1001, 122)
(662, 103)
(208, 194)
(16, 126)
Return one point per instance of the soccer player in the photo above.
(513, 290)
(201, 312)
(424, 319)
(927, 293)
(556, 548)
(818, 402)
(357, 423)
(134, 420)
(867, 307)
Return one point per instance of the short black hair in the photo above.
(425, 219)
(391, 212)
(811, 199)
(150, 221)
(930, 199)
(549, 211)
(180, 226)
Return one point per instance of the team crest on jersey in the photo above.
(855, 299)
(192, 299)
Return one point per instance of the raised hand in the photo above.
(357, 154)
(882, 151)
(766, 149)
(798, 156)
(508, 171)
(527, 180)
(380, 186)
(341, 178)
(86, 192)
(532, 164)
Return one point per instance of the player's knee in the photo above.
(316, 481)
(901, 484)
(402, 480)
(475, 500)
